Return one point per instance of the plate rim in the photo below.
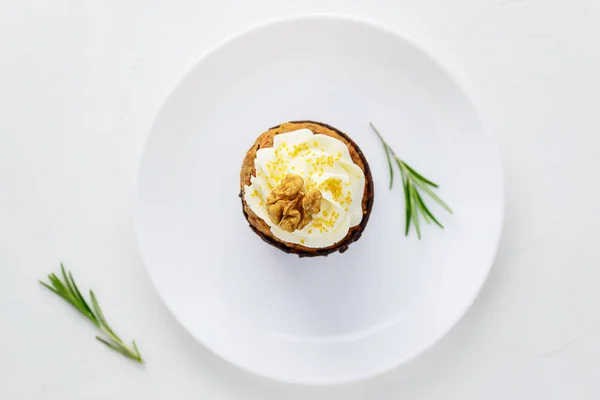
(461, 83)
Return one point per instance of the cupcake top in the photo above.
(307, 189)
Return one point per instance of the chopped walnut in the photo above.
(288, 207)
(311, 204)
(289, 186)
(291, 216)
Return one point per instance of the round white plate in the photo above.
(328, 319)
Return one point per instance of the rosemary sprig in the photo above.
(68, 290)
(411, 181)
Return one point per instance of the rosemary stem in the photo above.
(412, 183)
(69, 291)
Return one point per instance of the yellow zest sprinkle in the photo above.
(325, 213)
(323, 223)
(348, 198)
(309, 231)
(299, 148)
(293, 168)
(301, 241)
(319, 224)
(334, 186)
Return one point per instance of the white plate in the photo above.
(329, 319)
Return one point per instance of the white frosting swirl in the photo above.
(325, 164)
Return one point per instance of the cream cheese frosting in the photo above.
(325, 164)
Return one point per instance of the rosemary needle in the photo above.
(411, 182)
(68, 290)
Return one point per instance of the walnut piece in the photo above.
(311, 205)
(289, 208)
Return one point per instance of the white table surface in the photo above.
(80, 83)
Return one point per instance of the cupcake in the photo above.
(306, 188)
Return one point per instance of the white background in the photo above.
(80, 83)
